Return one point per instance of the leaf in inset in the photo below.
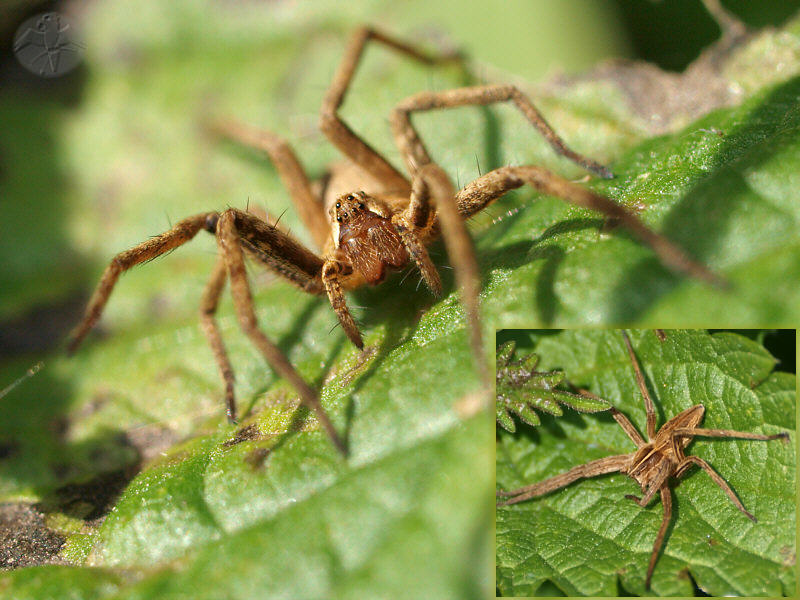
(520, 388)
(588, 539)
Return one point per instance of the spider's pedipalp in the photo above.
(330, 280)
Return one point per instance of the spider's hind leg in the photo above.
(478, 194)
(715, 477)
(338, 132)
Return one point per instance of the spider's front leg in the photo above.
(475, 196)
(236, 229)
(415, 153)
(648, 402)
(182, 232)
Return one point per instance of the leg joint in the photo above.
(210, 224)
(330, 270)
(328, 120)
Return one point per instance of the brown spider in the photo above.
(378, 220)
(653, 462)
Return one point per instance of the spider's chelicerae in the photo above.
(652, 464)
(368, 218)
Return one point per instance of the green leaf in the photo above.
(587, 539)
(70, 583)
(519, 388)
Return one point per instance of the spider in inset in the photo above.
(652, 464)
(368, 218)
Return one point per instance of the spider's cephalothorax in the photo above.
(368, 233)
(366, 237)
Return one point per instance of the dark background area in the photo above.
(671, 33)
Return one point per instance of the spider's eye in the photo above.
(361, 205)
(339, 219)
(338, 205)
(350, 197)
(344, 215)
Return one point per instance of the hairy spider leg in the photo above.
(179, 234)
(475, 196)
(648, 402)
(235, 230)
(601, 466)
(415, 153)
(339, 133)
(293, 176)
(208, 322)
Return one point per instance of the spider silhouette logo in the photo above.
(46, 45)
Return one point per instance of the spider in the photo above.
(368, 219)
(653, 463)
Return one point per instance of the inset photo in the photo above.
(646, 462)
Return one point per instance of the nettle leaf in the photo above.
(520, 388)
(587, 539)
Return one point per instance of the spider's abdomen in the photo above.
(371, 243)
